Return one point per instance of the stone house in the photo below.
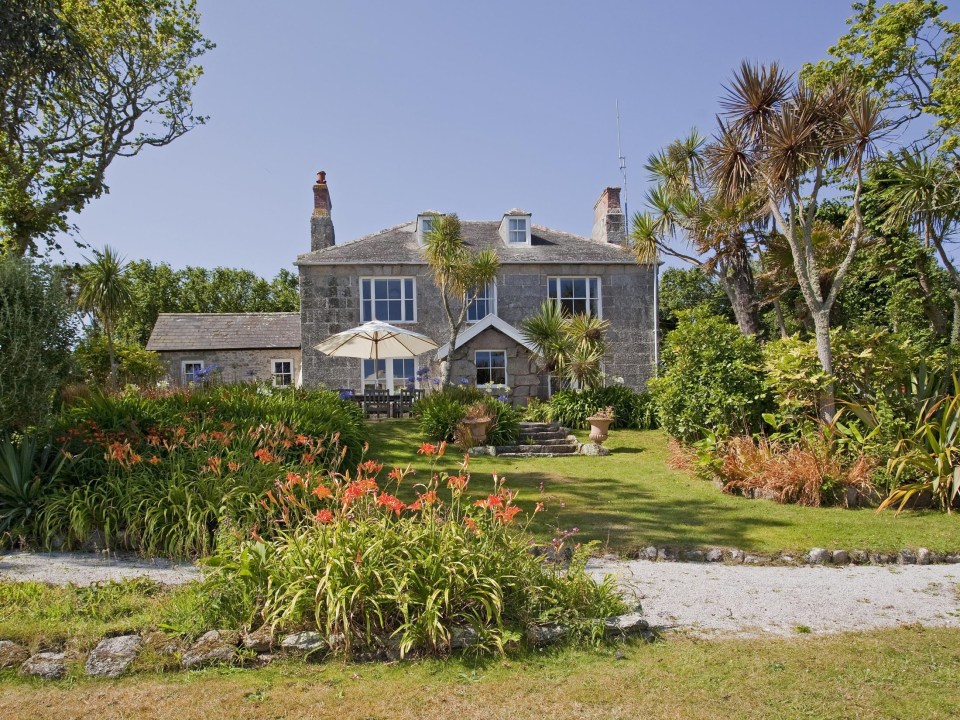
(238, 347)
(384, 276)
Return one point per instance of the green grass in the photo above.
(632, 498)
(903, 673)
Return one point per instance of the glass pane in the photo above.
(380, 289)
(382, 310)
(593, 288)
(552, 288)
(366, 289)
(498, 376)
(409, 311)
(367, 317)
(394, 289)
(408, 289)
(498, 359)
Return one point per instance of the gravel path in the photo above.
(703, 598)
(714, 599)
(89, 568)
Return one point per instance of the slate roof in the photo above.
(398, 246)
(225, 331)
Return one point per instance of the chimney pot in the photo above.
(321, 224)
(609, 222)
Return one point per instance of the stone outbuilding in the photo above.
(235, 347)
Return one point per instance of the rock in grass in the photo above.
(840, 557)
(11, 654)
(924, 556)
(628, 624)
(260, 640)
(714, 555)
(539, 636)
(859, 557)
(907, 557)
(463, 636)
(819, 556)
(304, 642)
(210, 649)
(113, 655)
(47, 665)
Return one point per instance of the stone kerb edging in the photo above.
(815, 556)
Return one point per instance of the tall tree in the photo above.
(458, 273)
(791, 144)
(722, 233)
(105, 290)
(909, 54)
(84, 82)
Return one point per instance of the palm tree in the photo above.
(922, 191)
(458, 273)
(789, 144)
(722, 233)
(104, 290)
(570, 347)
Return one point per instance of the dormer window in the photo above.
(425, 221)
(515, 228)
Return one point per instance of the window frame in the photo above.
(403, 299)
(490, 368)
(183, 369)
(523, 231)
(491, 302)
(421, 232)
(389, 378)
(587, 278)
(274, 373)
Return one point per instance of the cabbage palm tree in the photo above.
(458, 273)
(790, 144)
(105, 289)
(570, 347)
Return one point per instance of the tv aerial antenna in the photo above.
(623, 163)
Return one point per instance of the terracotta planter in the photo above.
(478, 429)
(599, 428)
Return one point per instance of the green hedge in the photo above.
(632, 410)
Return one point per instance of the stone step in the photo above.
(537, 436)
(532, 455)
(547, 441)
(568, 449)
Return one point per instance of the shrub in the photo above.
(632, 410)
(809, 473)
(712, 379)
(26, 469)
(441, 413)
(134, 364)
(160, 473)
(353, 561)
(36, 333)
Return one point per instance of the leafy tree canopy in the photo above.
(83, 82)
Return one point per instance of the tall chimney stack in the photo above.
(321, 225)
(609, 222)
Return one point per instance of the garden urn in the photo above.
(478, 429)
(599, 428)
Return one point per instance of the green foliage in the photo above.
(374, 570)
(123, 82)
(908, 52)
(161, 472)
(632, 410)
(158, 288)
(440, 414)
(134, 364)
(569, 347)
(712, 379)
(36, 332)
(688, 289)
(25, 472)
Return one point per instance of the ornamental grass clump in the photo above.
(346, 556)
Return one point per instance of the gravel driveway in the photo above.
(703, 598)
(714, 599)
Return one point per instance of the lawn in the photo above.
(903, 673)
(633, 498)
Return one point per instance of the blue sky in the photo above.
(473, 108)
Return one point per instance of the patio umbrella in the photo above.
(375, 338)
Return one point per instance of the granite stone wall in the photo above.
(236, 365)
(330, 302)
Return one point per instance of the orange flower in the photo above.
(324, 516)
(233, 466)
(507, 514)
(470, 523)
(428, 498)
(302, 439)
(392, 503)
(538, 508)
(371, 467)
(397, 474)
(426, 449)
(457, 482)
(322, 492)
(294, 479)
(264, 456)
(154, 460)
(308, 459)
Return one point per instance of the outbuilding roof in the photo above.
(225, 331)
(398, 245)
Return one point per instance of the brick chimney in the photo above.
(609, 222)
(321, 225)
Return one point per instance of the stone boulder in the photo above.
(12, 655)
(463, 636)
(628, 624)
(210, 649)
(539, 636)
(260, 640)
(304, 643)
(47, 665)
(819, 556)
(113, 656)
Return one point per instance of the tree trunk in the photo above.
(821, 324)
(781, 324)
(955, 330)
(448, 368)
(739, 291)
(938, 320)
(112, 377)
